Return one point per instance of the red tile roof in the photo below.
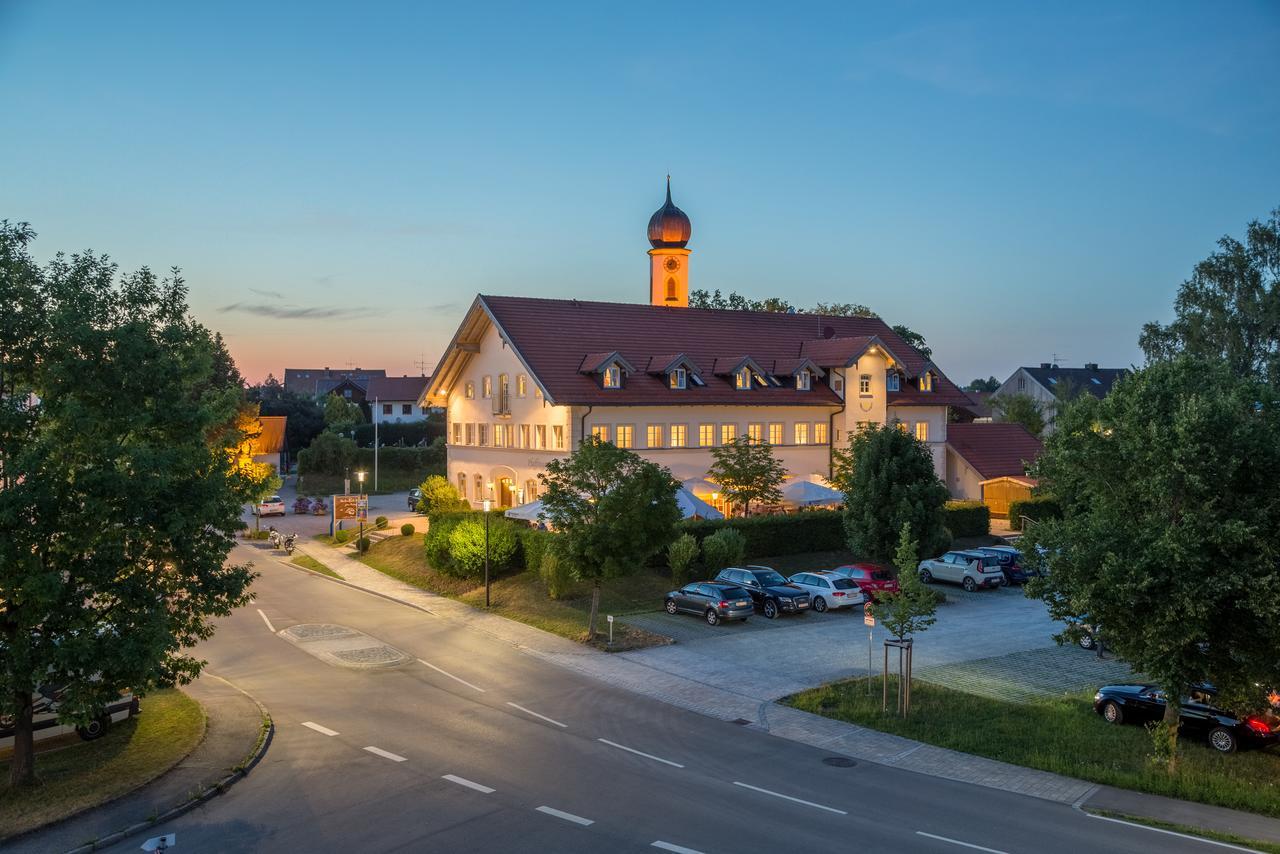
(553, 336)
(996, 449)
(397, 388)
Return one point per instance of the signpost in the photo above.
(610, 618)
(868, 620)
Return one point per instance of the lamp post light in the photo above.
(360, 541)
(487, 505)
(715, 501)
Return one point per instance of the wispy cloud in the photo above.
(265, 293)
(298, 312)
(444, 307)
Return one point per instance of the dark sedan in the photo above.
(1225, 731)
(772, 593)
(1010, 563)
(714, 600)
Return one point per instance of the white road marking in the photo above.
(536, 715)
(386, 754)
(958, 842)
(567, 816)
(678, 849)
(267, 621)
(789, 798)
(639, 753)
(463, 781)
(1172, 833)
(323, 730)
(450, 675)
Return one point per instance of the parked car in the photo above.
(969, 569)
(770, 592)
(44, 716)
(1010, 565)
(1090, 633)
(714, 600)
(415, 495)
(828, 590)
(872, 580)
(1225, 731)
(273, 506)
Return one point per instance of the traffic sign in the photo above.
(868, 619)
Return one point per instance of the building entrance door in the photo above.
(506, 496)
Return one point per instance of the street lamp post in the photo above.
(487, 505)
(360, 540)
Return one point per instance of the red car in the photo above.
(871, 579)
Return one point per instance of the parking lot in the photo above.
(995, 642)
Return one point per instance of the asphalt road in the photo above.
(477, 746)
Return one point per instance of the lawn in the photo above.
(1062, 735)
(521, 596)
(308, 562)
(77, 775)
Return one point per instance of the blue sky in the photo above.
(337, 181)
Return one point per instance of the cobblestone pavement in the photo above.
(1029, 674)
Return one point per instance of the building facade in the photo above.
(1048, 384)
(395, 400)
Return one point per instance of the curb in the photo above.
(238, 773)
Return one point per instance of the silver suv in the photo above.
(971, 570)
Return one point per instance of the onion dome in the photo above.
(669, 226)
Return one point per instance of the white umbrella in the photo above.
(691, 505)
(527, 512)
(806, 493)
(699, 486)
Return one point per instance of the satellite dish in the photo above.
(828, 332)
(160, 843)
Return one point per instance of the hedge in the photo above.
(531, 543)
(404, 433)
(1035, 508)
(967, 518)
(810, 531)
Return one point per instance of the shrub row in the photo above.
(455, 544)
(409, 434)
(811, 531)
(335, 456)
(1035, 508)
(967, 518)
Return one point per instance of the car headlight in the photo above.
(1097, 696)
(785, 599)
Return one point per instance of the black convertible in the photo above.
(1225, 731)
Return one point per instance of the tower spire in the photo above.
(668, 188)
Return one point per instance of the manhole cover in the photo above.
(369, 655)
(839, 761)
(317, 631)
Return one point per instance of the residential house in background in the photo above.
(525, 379)
(351, 384)
(1049, 383)
(396, 399)
(988, 462)
(978, 408)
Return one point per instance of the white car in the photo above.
(273, 506)
(828, 590)
(44, 717)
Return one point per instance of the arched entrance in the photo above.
(503, 479)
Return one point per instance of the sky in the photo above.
(1018, 182)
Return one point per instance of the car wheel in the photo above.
(1086, 641)
(713, 619)
(969, 584)
(671, 606)
(1112, 713)
(819, 604)
(926, 576)
(95, 728)
(1223, 740)
(770, 609)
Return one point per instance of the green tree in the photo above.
(1230, 307)
(439, 496)
(726, 547)
(915, 339)
(682, 554)
(912, 609)
(747, 471)
(341, 414)
(305, 415)
(1168, 534)
(1020, 409)
(714, 299)
(614, 510)
(989, 384)
(119, 485)
(843, 309)
(889, 480)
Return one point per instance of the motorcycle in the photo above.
(273, 537)
(288, 543)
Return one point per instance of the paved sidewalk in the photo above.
(234, 722)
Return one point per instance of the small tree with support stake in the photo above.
(903, 614)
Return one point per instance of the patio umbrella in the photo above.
(699, 486)
(806, 493)
(691, 505)
(527, 512)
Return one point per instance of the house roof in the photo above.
(994, 450)
(306, 380)
(979, 404)
(553, 338)
(397, 388)
(1096, 381)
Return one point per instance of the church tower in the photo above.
(669, 231)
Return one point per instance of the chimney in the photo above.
(1044, 366)
(1091, 366)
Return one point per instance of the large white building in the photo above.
(525, 379)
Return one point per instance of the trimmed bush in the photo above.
(380, 522)
(342, 536)
(1035, 508)
(967, 518)
(556, 574)
(681, 556)
(362, 545)
(534, 543)
(436, 542)
(439, 496)
(726, 547)
(811, 531)
(467, 548)
(406, 530)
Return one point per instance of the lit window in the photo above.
(755, 433)
(678, 378)
(926, 381)
(820, 433)
(479, 488)
(470, 392)
(742, 379)
(802, 381)
(679, 435)
(462, 485)
(522, 385)
(728, 433)
(497, 435)
(457, 433)
(557, 436)
(901, 425)
(706, 435)
(486, 387)
(775, 434)
(540, 436)
(892, 382)
(530, 490)
(864, 384)
(624, 436)
(600, 431)
(802, 433)
(613, 377)
(922, 431)
(386, 409)
(482, 434)
(653, 436)
(524, 437)
(537, 392)
(471, 434)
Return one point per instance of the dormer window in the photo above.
(470, 390)
(612, 377)
(926, 381)
(678, 378)
(742, 379)
(893, 382)
(803, 380)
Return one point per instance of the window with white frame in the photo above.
(600, 431)
(557, 436)
(775, 433)
(522, 385)
(386, 409)
(820, 433)
(406, 409)
(678, 378)
(755, 433)
(457, 432)
(612, 377)
(926, 381)
(922, 431)
(892, 381)
(486, 387)
(706, 435)
(679, 435)
(802, 433)
(837, 383)
(498, 431)
(524, 437)
(653, 436)
(864, 385)
(742, 379)
(728, 433)
(624, 435)
(480, 495)
(469, 390)
(540, 436)
(462, 485)
(802, 380)
(482, 434)
(471, 434)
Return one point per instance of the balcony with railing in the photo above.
(502, 401)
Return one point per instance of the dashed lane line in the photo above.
(790, 798)
(470, 784)
(267, 620)
(567, 816)
(639, 753)
(450, 675)
(676, 849)
(536, 715)
(958, 842)
(1172, 833)
(323, 730)
(385, 754)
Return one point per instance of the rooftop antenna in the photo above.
(350, 364)
(421, 364)
(1057, 360)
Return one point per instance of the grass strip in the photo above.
(308, 562)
